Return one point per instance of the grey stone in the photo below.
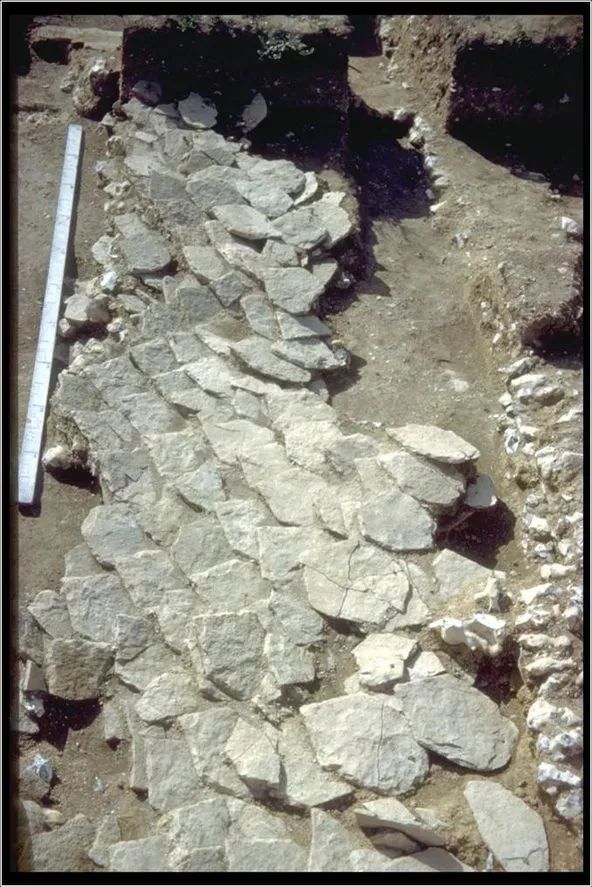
(111, 531)
(205, 263)
(276, 174)
(430, 483)
(146, 575)
(196, 112)
(311, 186)
(51, 612)
(397, 522)
(199, 546)
(333, 218)
(513, 831)
(221, 150)
(31, 785)
(278, 254)
(292, 327)
(253, 751)
(307, 442)
(168, 696)
(114, 728)
(434, 443)
(230, 440)
(301, 228)
(331, 843)
(239, 519)
(198, 304)
(367, 740)
(138, 672)
(390, 813)
(202, 488)
(166, 186)
(214, 186)
(433, 860)
(93, 602)
(244, 221)
(295, 290)
(305, 784)
(64, 849)
(172, 781)
(426, 665)
(145, 252)
(265, 855)
(143, 855)
(231, 648)
(381, 659)
(481, 492)
(108, 833)
(230, 586)
(260, 316)
(75, 669)
(289, 664)
(457, 722)
(230, 287)
(269, 200)
(454, 573)
(296, 619)
(311, 354)
(79, 561)
(254, 113)
(175, 614)
(213, 374)
(206, 733)
(256, 354)
(197, 836)
(153, 357)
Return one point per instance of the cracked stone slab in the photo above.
(206, 733)
(294, 290)
(381, 659)
(75, 668)
(93, 602)
(367, 740)
(305, 784)
(513, 831)
(111, 531)
(231, 586)
(397, 522)
(256, 353)
(457, 722)
(432, 484)
(168, 696)
(388, 813)
(434, 443)
(231, 649)
(253, 752)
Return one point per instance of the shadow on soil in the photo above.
(61, 716)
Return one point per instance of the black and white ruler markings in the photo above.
(39, 392)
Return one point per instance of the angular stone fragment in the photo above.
(289, 664)
(172, 781)
(433, 860)
(457, 722)
(168, 696)
(425, 481)
(300, 228)
(381, 659)
(108, 833)
(75, 669)
(147, 665)
(114, 728)
(203, 487)
(145, 252)
(197, 836)
(513, 831)
(164, 186)
(230, 287)
(143, 855)
(63, 849)
(232, 585)
(295, 290)
(311, 354)
(206, 733)
(305, 784)
(146, 575)
(331, 844)
(481, 492)
(231, 648)
(196, 112)
(303, 327)
(205, 263)
(390, 813)
(269, 200)
(111, 531)
(244, 221)
(214, 186)
(434, 443)
(277, 254)
(397, 522)
(239, 519)
(454, 573)
(253, 752)
(367, 740)
(297, 620)
(93, 602)
(256, 353)
(79, 561)
(332, 217)
(260, 316)
(51, 612)
(276, 173)
(199, 546)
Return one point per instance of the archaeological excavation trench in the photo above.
(327, 616)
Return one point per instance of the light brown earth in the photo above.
(412, 331)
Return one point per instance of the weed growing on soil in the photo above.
(275, 47)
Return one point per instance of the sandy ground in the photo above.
(419, 353)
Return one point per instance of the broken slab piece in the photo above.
(434, 443)
(391, 814)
